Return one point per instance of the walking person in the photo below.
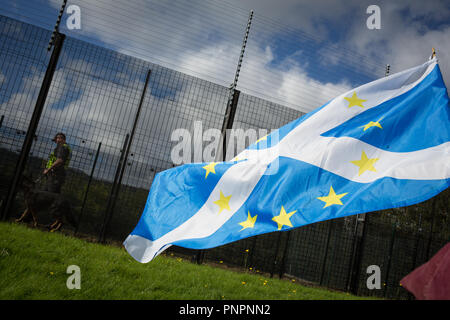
(58, 161)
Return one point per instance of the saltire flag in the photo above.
(382, 145)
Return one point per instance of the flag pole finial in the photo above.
(433, 54)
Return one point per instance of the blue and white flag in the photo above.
(385, 144)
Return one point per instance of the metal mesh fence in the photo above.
(94, 98)
(173, 101)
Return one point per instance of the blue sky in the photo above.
(299, 53)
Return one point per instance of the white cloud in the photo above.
(204, 39)
(207, 45)
(409, 29)
(407, 35)
(2, 78)
(286, 83)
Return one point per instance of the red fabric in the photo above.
(431, 281)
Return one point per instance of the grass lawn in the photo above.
(33, 265)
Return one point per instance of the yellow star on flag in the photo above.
(210, 168)
(332, 198)
(283, 218)
(354, 101)
(223, 202)
(365, 164)
(249, 223)
(261, 139)
(373, 124)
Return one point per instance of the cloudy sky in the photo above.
(299, 53)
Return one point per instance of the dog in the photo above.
(37, 201)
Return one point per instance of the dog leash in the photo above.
(38, 180)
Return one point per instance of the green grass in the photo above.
(33, 265)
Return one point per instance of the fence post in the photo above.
(333, 255)
(34, 122)
(416, 244)
(229, 112)
(283, 258)
(87, 187)
(229, 120)
(360, 235)
(324, 261)
(275, 255)
(430, 238)
(232, 100)
(250, 258)
(101, 236)
(353, 280)
(227, 124)
(388, 266)
(200, 256)
(416, 248)
(122, 165)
